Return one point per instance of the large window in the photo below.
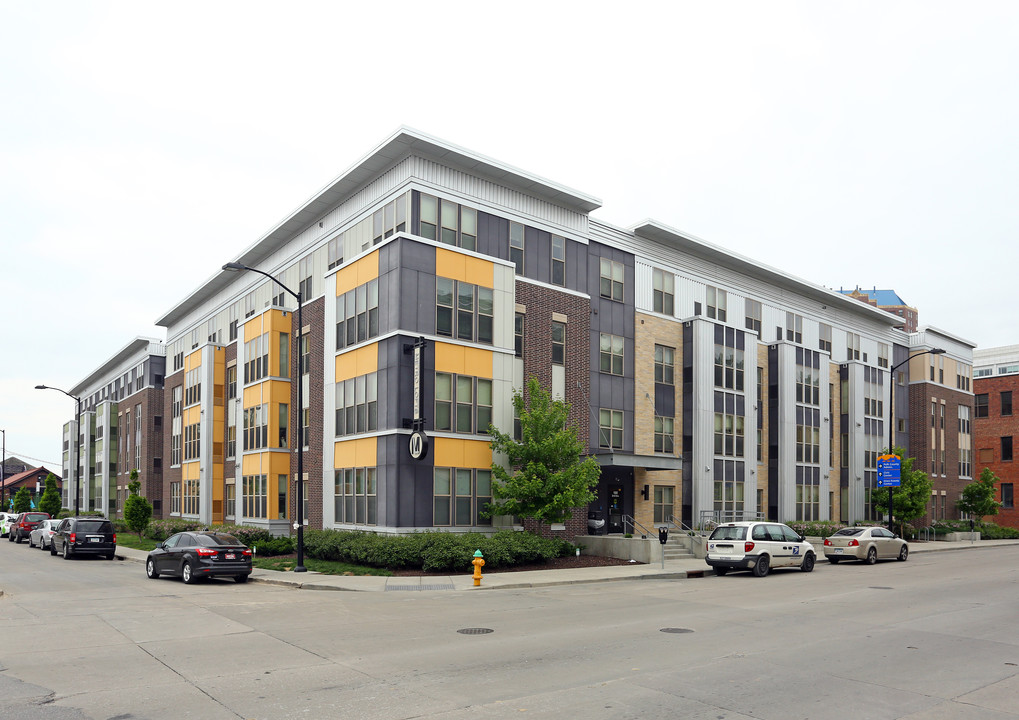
(729, 367)
(1006, 402)
(980, 405)
(516, 246)
(256, 358)
(716, 302)
(464, 310)
(610, 429)
(1007, 500)
(357, 405)
(611, 280)
(460, 496)
(192, 441)
(1006, 449)
(355, 495)
(852, 346)
(664, 433)
(357, 315)
(611, 354)
(824, 337)
(664, 292)
(177, 428)
(730, 437)
(793, 327)
(558, 260)
(256, 427)
(175, 498)
(665, 364)
(190, 497)
(255, 494)
(664, 497)
(193, 387)
(463, 403)
(558, 343)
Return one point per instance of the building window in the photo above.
(357, 314)
(284, 355)
(192, 441)
(664, 497)
(256, 357)
(611, 280)
(460, 496)
(256, 427)
(665, 368)
(230, 501)
(664, 433)
(753, 316)
(558, 260)
(1006, 449)
(1007, 501)
(1006, 403)
(610, 429)
(518, 335)
(463, 403)
(357, 405)
(611, 354)
(190, 497)
(231, 382)
(429, 217)
(193, 387)
(716, 303)
(254, 496)
(729, 434)
(980, 405)
(175, 498)
(824, 337)
(882, 355)
(663, 295)
(177, 428)
(808, 444)
(728, 367)
(853, 346)
(558, 343)
(355, 495)
(474, 310)
(516, 246)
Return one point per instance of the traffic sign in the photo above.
(889, 471)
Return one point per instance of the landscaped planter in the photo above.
(958, 536)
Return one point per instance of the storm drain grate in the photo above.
(475, 631)
(676, 630)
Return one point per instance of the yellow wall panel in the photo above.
(189, 470)
(193, 360)
(253, 328)
(362, 452)
(358, 273)
(251, 464)
(457, 266)
(252, 395)
(463, 360)
(192, 414)
(453, 452)
(358, 362)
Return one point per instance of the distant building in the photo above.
(32, 478)
(889, 301)
(995, 424)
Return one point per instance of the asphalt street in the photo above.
(934, 637)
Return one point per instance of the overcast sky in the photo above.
(142, 145)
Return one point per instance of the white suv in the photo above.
(758, 546)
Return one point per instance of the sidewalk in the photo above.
(674, 570)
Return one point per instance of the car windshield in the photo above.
(851, 532)
(211, 540)
(729, 533)
(94, 526)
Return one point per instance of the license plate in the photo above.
(725, 557)
(94, 539)
(837, 551)
(230, 556)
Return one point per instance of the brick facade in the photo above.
(987, 435)
(313, 317)
(929, 436)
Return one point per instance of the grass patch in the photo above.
(131, 540)
(326, 567)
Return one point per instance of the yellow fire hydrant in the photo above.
(478, 562)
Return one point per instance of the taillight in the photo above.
(748, 546)
(827, 541)
(854, 543)
(73, 538)
(206, 552)
(114, 538)
(246, 551)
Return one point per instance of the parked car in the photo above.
(24, 525)
(758, 546)
(196, 555)
(869, 544)
(6, 520)
(84, 536)
(42, 535)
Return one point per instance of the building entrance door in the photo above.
(615, 524)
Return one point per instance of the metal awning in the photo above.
(648, 462)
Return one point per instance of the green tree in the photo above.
(50, 500)
(548, 477)
(137, 510)
(911, 497)
(22, 500)
(978, 498)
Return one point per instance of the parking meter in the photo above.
(663, 537)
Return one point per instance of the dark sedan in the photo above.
(196, 555)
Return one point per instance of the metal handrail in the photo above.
(629, 520)
(679, 525)
(711, 518)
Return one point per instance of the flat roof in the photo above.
(132, 348)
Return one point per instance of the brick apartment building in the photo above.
(996, 423)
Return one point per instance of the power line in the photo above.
(14, 454)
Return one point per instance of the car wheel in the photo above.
(808, 563)
(111, 556)
(240, 578)
(871, 556)
(67, 552)
(31, 542)
(187, 574)
(834, 560)
(150, 569)
(53, 548)
(763, 566)
(903, 553)
(721, 570)
(18, 538)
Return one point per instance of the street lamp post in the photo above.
(77, 446)
(891, 416)
(238, 267)
(3, 472)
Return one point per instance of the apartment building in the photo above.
(889, 301)
(996, 382)
(434, 281)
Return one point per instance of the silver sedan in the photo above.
(42, 536)
(869, 544)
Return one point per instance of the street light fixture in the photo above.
(77, 446)
(240, 267)
(891, 423)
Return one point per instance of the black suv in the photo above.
(84, 536)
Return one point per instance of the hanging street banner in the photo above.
(889, 471)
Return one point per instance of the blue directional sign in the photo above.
(889, 471)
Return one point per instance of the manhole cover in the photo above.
(676, 630)
(879, 587)
(474, 631)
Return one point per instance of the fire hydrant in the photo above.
(478, 562)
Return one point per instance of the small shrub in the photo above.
(273, 546)
(159, 530)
